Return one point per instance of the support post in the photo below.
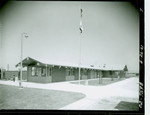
(46, 70)
(2, 73)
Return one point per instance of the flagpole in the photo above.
(80, 60)
(81, 29)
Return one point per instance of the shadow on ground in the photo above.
(124, 105)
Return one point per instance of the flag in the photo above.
(81, 12)
(81, 26)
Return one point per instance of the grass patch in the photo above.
(97, 82)
(120, 103)
(124, 105)
(11, 97)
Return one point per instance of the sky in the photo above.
(110, 35)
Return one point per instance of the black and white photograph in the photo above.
(71, 55)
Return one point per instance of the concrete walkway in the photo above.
(94, 94)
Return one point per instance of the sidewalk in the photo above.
(107, 97)
(94, 94)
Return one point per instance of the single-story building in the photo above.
(9, 75)
(40, 72)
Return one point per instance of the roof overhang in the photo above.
(33, 62)
(30, 62)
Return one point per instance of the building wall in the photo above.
(70, 74)
(37, 79)
(83, 77)
(24, 75)
(106, 74)
(40, 79)
(76, 70)
(58, 74)
(70, 78)
(84, 74)
(28, 73)
(113, 74)
(88, 74)
(131, 74)
(98, 74)
(8, 75)
(122, 74)
(92, 74)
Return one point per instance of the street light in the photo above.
(22, 36)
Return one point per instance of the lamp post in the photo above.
(22, 36)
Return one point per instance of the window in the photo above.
(68, 72)
(97, 73)
(72, 72)
(110, 72)
(36, 71)
(101, 73)
(49, 71)
(43, 72)
(39, 71)
(33, 71)
(85, 71)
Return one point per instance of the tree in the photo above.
(125, 69)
